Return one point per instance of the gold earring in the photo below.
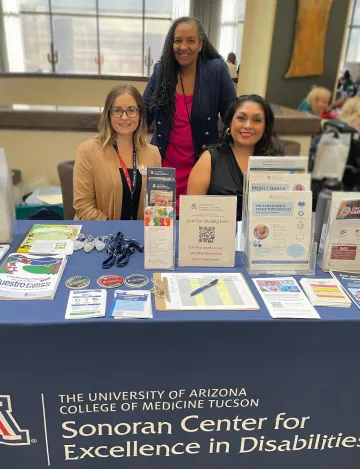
(228, 131)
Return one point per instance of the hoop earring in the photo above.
(228, 131)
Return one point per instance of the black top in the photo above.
(129, 210)
(226, 175)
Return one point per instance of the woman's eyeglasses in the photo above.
(131, 111)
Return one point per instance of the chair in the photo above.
(290, 147)
(65, 171)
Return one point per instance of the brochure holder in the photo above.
(159, 235)
(324, 235)
(273, 269)
(7, 207)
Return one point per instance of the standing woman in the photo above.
(110, 169)
(190, 86)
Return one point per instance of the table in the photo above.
(104, 393)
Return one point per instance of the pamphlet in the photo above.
(84, 304)
(30, 277)
(284, 164)
(342, 243)
(284, 298)
(49, 233)
(350, 283)
(279, 230)
(325, 292)
(207, 230)
(272, 181)
(161, 192)
(3, 250)
(161, 173)
(159, 237)
(131, 304)
(231, 292)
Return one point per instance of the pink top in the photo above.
(180, 153)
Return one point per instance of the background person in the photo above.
(249, 132)
(316, 102)
(230, 62)
(190, 86)
(110, 169)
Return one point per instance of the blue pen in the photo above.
(201, 289)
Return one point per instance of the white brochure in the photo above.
(84, 304)
(342, 244)
(279, 230)
(272, 181)
(284, 298)
(287, 164)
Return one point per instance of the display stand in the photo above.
(159, 235)
(273, 268)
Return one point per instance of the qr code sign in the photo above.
(206, 234)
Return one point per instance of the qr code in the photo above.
(206, 234)
(276, 304)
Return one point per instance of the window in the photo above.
(231, 27)
(118, 37)
(352, 52)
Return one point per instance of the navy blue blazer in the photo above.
(214, 92)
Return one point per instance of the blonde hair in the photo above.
(316, 94)
(351, 112)
(106, 132)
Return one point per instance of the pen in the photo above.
(201, 289)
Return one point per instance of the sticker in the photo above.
(110, 281)
(77, 282)
(136, 280)
(142, 169)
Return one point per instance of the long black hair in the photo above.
(269, 144)
(166, 79)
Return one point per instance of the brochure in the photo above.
(207, 230)
(325, 292)
(161, 193)
(159, 238)
(30, 277)
(131, 304)
(49, 233)
(287, 164)
(161, 173)
(284, 298)
(279, 230)
(350, 283)
(84, 304)
(342, 241)
(268, 181)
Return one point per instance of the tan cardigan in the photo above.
(98, 187)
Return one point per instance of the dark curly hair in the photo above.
(166, 79)
(269, 144)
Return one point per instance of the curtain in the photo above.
(209, 14)
(4, 67)
(180, 8)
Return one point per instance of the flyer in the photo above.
(284, 298)
(207, 230)
(84, 304)
(350, 283)
(131, 304)
(342, 244)
(287, 164)
(159, 238)
(279, 231)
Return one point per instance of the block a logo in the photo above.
(10, 432)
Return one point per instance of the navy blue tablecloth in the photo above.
(300, 377)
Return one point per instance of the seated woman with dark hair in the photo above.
(249, 131)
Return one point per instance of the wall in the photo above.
(290, 92)
(58, 90)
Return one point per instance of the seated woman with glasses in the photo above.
(110, 169)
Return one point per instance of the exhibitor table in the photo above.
(201, 389)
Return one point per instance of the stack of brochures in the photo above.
(351, 284)
(85, 304)
(50, 239)
(134, 304)
(277, 215)
(30, 277)
(325, 292)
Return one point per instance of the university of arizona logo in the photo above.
(10, 432)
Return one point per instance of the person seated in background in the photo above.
(316, 102)
(190, 86)
(249, 132)
(346, 89)
(230, 62)
(349, 123)
(110, 169)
